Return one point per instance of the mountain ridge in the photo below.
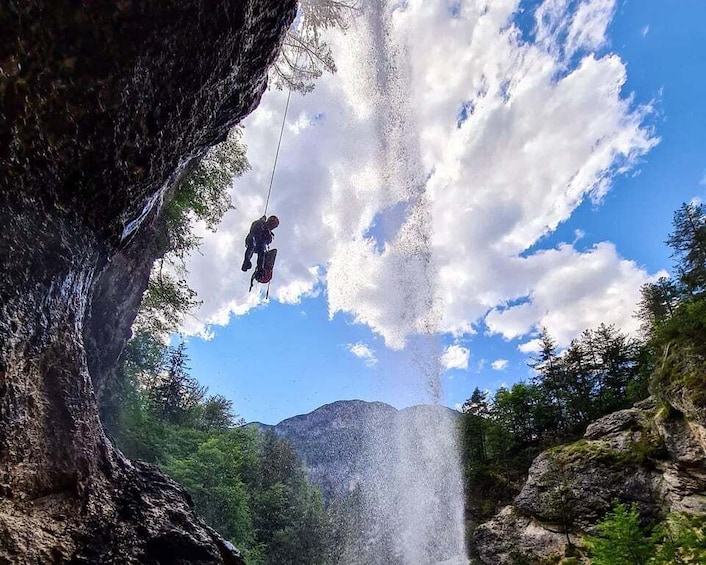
(338, 440)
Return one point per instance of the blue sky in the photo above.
(523, 244)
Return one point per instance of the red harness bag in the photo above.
(268, 268)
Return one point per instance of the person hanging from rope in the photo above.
(257, 240)
(260, 235)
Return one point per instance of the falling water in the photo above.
(413, 506)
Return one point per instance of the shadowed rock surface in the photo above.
(102, 105)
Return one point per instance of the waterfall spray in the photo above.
(413, 508)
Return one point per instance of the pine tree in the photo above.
(550, 382)
(475, 411)
(579, 405)
(689, 243)
(657, 304)
(621, 540)
(176, 394)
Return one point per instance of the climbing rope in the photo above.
(279, 143)
(272, 178)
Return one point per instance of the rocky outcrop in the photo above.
(645, 455)
(102, 105)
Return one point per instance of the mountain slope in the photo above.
(343, 443)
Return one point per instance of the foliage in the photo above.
(174, 394)
(600, 372)
(290, 517)
(249, 486)
(673, 312)
(213, 476)
(305, 55)
(621, 539)
(167, 300)
(603, 370)
(683, 540)
(200, 196)
(688, 240)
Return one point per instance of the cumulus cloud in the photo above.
(363, 352)
(415, 185)
(455, 357)
(572, 291)
(499, 364)
(531, 346)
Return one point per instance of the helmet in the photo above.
(272, 222)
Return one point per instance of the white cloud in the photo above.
(572, 291)
(589, 24)
(499, 364)
(645, 30)
(455, 357)
(363, 352)
(532, 346)
(702, 182)
(415, 223)
(564, 32)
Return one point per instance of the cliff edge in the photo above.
(102, 105)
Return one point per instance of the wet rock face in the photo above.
(101, 105)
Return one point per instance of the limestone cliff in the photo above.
(652, 454)
(102, 104)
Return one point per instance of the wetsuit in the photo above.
(257, 240)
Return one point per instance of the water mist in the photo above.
(412, 503)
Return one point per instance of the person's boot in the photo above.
(246, 265)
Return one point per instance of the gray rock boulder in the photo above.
(513, 538)
(645, 455)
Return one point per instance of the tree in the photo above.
(550, 415)
(621, 540)
(201, 195)
(579, 405)
(175, 393)
(561, 498)
(683, 540)
(658, 303)
(289, 516)
(212, 475)
(305, 56)
(689, 243)
(618, 356)
(475, 415)
(217, 413)
(167, 300)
